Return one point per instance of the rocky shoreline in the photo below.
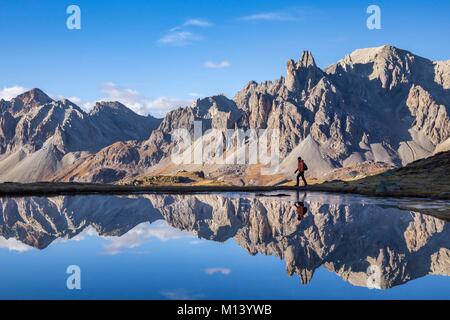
(54, 189)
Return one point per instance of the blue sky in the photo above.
(152, 55)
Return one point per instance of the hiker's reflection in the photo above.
(300, 207)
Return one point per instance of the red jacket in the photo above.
(301, 166)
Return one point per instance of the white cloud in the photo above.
(87, 106)
(116, 93)
(142, 233)
(131, 98)
(179, 38)
(217, 65)
(197, 23)
(212, 271)
(161, 105)
(9, 93)
(13, 245)
(269, 16)
(88, 232)
(139, 103)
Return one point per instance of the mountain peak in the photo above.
(368, 55)
(34, 97)
(110, 106)
(303, 73)
(386, 47)
(307, 59)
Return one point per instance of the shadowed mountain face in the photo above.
(378, 105)
(367, 243)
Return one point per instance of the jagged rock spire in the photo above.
(307, 59)
(301, 73)
(291, 75)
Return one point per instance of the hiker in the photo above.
(301, 169)
(300, 206)
(301, 210)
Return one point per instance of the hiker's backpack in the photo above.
(306, 166)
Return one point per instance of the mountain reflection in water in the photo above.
(367, 242)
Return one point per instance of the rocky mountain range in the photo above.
(40, 136)
(379, 105)
(348, 238)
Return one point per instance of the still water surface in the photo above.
(225, 246)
